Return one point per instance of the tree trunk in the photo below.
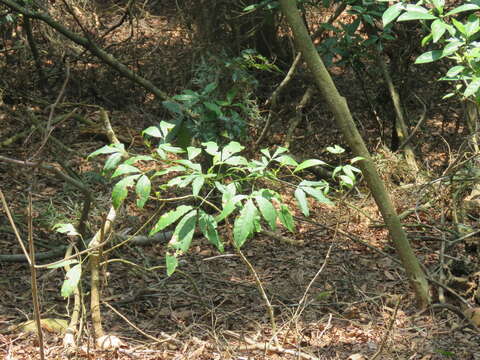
(338, 105)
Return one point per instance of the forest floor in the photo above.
(340, 295)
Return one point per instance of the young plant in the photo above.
(231, 189)
(454, 35)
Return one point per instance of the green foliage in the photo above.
(218, 109)
(227, 189)
(456, 37)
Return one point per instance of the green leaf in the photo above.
(125, 169)
(229, 206)
(171, 263)
(72, 277)
(172, 106)
(68, 229)
(230, 149)
(153, 131)
(439, 5)
(209, 88)
(429, 56)
(112, 162)
(193, 152)
(213, 107)
(62, 264)
(462, 8)
(208, 226)
(451, 47)
(302, 201)
(268, 211)
(335, 149)
(318, 195)
(415, 15)
(236, 160)
(190, 164)
(171, 149)
(472, 25)
(455, 70)
(244, 223)
(211, 148)
(197, 185)
(286, 160)
(438, 29)
(286, 217)
(143, 189)
(472, 88)
(137, 158)
(460, 27)
(169, 218)
(120, 192)
(183, 234)
(309, 163)
(392, 13)
(347, 180)
(108, 149)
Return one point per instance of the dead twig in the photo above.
(267, 347)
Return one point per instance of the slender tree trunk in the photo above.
(338, 105)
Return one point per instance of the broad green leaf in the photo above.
(173, 107)
(171, 149)
(169, 170)
(108, 149)
(286, 160)
(112, 162)
(429, 56)
(268, 211)
(68, 229)
(286, 217)
(187, 97)
(236, 160)
(451, 47)
(169, 218)
(392, 13)
(213, 107)
(347, 180)
(460, 27)
(209, 88)
(415, 15)
(193, 152)
(231, 94)
(72, 277)
(438, 29)
(244, 223)
(335, 149)
(208, 226)
(472, 25)
(166, 127)
(171, 263)
(318, 195)
(302, 201)
(120, 191)
(187, 180)
(280, 150)
(190, 164)
(62, 264)
(426, 40)
(229, 206)
(143, 189)
(183, 234)
(197, 184)
(137, 158)
(153, 131)
(125, 169)
(211, 148)
(309, 163)
(266, 153)
(455, 70)
(356, 159)
(472, 88)
(230, 149)
(439, 5)
(416, 8)
(462, 8)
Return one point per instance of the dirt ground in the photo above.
(340, 295)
